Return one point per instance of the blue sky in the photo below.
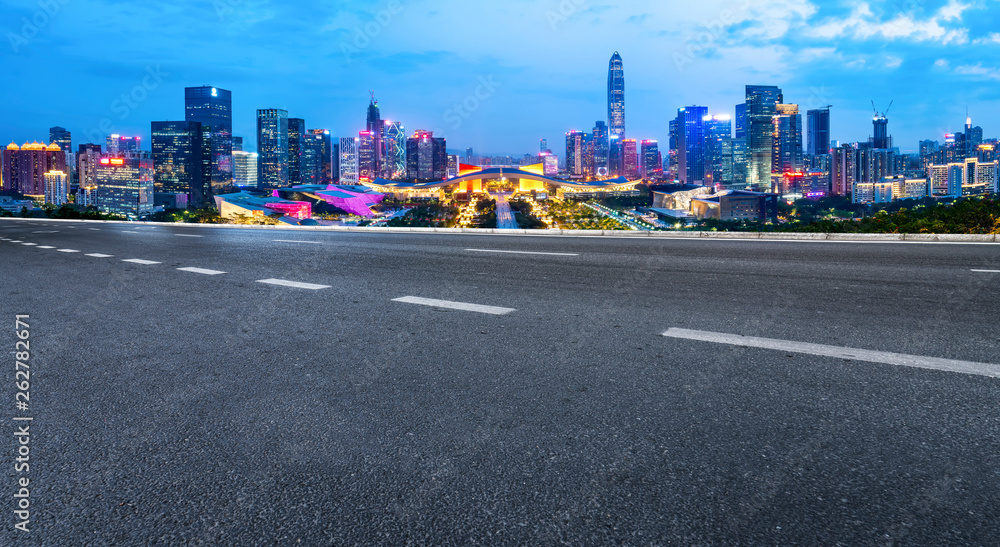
(539, 67)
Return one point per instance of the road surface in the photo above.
(260, 387)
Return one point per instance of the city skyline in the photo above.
(545, 86)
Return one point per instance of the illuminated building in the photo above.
(881, 140)
(426, 157)
(615, 157)
(575, 152)
(818, 131)
(550, 164)
(179, 160)
(88, 157)
(599, 138)
(237, 144)
(242, 204)
(313, 149)
(125, 185)
(761, 106)
(56, 188)
(652, 163)
(730, 166)
(212, 107)
(787, 139)
(872, 192)
(690, 141)
(376, 128)
(543, 146)
(326, 159)
(527, 178)
(616, 97)
(630, 159)
(367, 156)
(737, 205)
(741, 121)
(272, 148)
(334, 199)
(245, 169)
(118, 144)
(24, 167)
(718, 130)
(875, 164)
(296, 145)
(946, 180)
(394, 158)
(348, 160)
(843, 170)
(62, 137)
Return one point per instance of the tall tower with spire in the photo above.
(377, 130)
(616, 97)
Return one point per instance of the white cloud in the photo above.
(993, 38)
(863, 24)
(941, 63)
(978, 70)
(893, 62)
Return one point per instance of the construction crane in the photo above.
(884, 114)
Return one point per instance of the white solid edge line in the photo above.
(201, 271)
(293, 284)
(520, 252)
(140, 261)
(294, 241)
(492, 310)
(986, 271)
(898, 359)
(99, 255)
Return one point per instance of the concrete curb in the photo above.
(776, 236)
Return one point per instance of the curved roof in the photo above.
(502, 172)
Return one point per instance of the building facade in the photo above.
(616, 97)
(348, 160)
(125, 185)
(212, 107)
(179, 160)
(24, 167)
(761, 106)
(272, 148)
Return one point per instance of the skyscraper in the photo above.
(691, 140)
(118, 144)
(616, 97)
(426, 156)
(311, 171)
(367, 156)
(881, 140)
(57, 188)
(394, 144)
(652, 165)
(819, 131)
(24, 167)
(245, 169)
(272, 148)
(787, 139)
(761, 106)
(575, 150)
(237, 146)
(328, 173)
(179, 162)
(741, 121)
(600, 143)
(630, 159)
(296, 141)
(88, 157)
(375, 127)
(616, 167)
(718, 129)
(125, 185)
(64, 139)
(348, 160)
(212, 107)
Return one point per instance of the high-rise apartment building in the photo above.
(88, 157)
(616, 97)
(787, 139)
(818, 121)
(311, 171)
(57, 188)
(761, 106)
(272, 148)
(212, 107)
(630, 159)
(691, 145)
(599, 138)
(24, 167)
(575, 152)
(652, 162)
(245, 169)
(179, 161)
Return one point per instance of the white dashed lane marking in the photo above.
(293, 284)
(294, 241)
(492, 310)
(99, 255)
(140, 261)
(986, 271)
(854, 354)
(520, 252)
(187, 235)
(201, 271)
(46, 247)
(30, 244)
(68, 251)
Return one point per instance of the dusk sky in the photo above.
(547, 62)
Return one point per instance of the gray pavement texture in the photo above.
(175, 408)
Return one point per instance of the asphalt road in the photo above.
(177, 407)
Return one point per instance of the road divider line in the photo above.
(986, 271)
(94, 229)
(129, 232)
(293, 284)
(68, 251)
(140, 261)
(520, 252)
(46, 247)
(897, 359)
(47, 232)
(187, 235)
(201, 271)
(294, 241)
(99, 255)
(30, 244)
(492, 310)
